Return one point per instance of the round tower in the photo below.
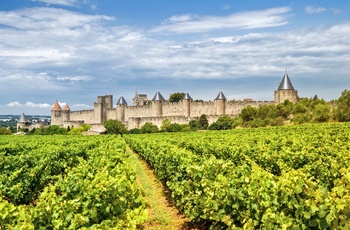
(286, 91)
(66, 113)
(121, 105)
(157, 104)
(220, 104)
(23, 122)
(56, 115)
(186, 102)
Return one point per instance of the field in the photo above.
(293, 177)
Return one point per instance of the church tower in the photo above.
(286, 91)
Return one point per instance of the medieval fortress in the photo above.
(156, 110)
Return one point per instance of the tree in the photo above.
(224, 122)
(248, 113)
(202, 122)
(176, 97)
(343, 106)
(165, 124)
(114, 127)
(148, 127)
(175, 127)
(4, 131)
(322, 113)
(193, 124)
(299, 108)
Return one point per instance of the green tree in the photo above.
(299, 108)
(148, 127)
(248, 113)
(4, 131)
(321, 113)
(203, 122)
(175, 127)
(176, 97)
(193, 124)
(165, 124)
(223, 123)
(135, 131)
(343, 106)
(114, 127)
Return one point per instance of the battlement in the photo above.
(156, 110)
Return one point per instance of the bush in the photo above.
(4, 131)
(148, 127)
(115, 127)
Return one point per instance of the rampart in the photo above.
(158, 109)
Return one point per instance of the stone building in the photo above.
(286, 91)
(156, 110)
(24, 123)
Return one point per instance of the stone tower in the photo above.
(22, 122)
(103, 104)
(56, 114)
(286, 91)
(220, 102)
(187, 105)
(121, 104)
(157, 104)
(66, 113)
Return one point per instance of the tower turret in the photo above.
(56, 114)
(220, 102)
(286, 91)
(121, 104)
(157, 104)
(187, 105)
(22, 122)
(66, 113)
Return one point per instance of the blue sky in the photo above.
(74, 50)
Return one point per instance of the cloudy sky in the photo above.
(74, 50)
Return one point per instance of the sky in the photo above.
(75, 50)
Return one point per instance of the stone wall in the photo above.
(88, 116)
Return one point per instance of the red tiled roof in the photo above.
(56, 107)
(66, 108)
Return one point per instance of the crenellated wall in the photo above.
(159, 109)
(88, 116)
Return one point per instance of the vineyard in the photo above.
(295, 177)
(269, 178)
(58, 182)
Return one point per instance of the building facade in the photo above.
(156, 110)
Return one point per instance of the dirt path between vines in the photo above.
(162, 213)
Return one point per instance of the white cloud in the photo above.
(314, 10)
(58, 2)
(29, 104)
(14, 104)
(245, 20)
(74, 78)
(179, 18)
(81, 106)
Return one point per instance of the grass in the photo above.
(162, 214)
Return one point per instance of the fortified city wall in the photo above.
(158, 109)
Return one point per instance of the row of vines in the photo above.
(268, 178)
(57, 182)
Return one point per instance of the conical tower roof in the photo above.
(66, 108)
(158, 97)
(23, 118)
(188, 97)
(220, 96)
(56, 107)
(285, 83)
(122, 101)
